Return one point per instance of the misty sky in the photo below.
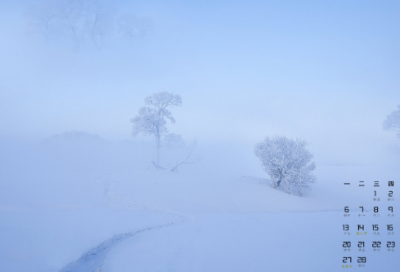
(327, 71)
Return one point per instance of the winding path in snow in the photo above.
(93, 259)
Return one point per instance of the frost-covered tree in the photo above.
(392, 121)
(152, 120)
(80, 21)
(287, 162)
(72, 19)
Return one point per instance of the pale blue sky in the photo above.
(327, 71)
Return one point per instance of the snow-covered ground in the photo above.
(136, 219)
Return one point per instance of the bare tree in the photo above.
(101, 23)
(179, 153)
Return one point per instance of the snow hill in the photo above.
(69, 210)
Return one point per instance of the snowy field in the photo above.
(121, 219)
(137, 135)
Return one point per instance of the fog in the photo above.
(324, 71)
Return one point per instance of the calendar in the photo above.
(369, 229)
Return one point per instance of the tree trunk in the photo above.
(158, 150)
(279, 180)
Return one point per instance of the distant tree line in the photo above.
(85, 20)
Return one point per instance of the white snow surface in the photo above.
(122, 219)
